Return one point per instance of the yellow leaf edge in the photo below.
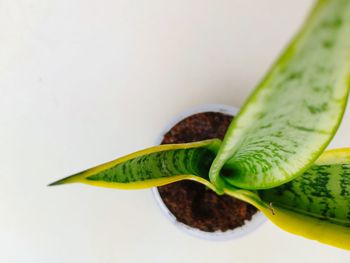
(299, 224)
(212, 144)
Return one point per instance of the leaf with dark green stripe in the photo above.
(153, 167)
(323, 192)
(295, 111)
(280, 132)
(315, 205)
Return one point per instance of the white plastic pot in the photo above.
(258, 218)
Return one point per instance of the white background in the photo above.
(83, 82)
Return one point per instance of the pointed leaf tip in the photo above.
(56, 183)
(67, 180)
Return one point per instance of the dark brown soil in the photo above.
(192, 203)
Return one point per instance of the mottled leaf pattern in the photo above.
(317, 203)
(293, 114)
(152, 167)
(280, 132)
(323, 192)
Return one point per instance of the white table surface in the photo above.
(83, 82)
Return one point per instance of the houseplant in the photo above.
(189, 205)
(272, 155)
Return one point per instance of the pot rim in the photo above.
(249, 225)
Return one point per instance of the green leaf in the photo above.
(295, 111)
(155, 166)
(323, 191)
(316, 204)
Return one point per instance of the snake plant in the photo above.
(272, 155)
